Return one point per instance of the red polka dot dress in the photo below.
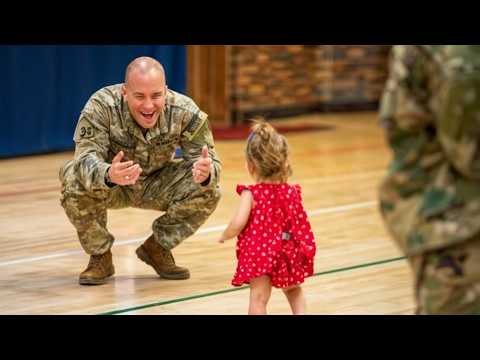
(277, 240)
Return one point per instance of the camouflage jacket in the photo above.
(106, 127)
(430, 110)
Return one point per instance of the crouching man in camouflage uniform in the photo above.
(430, 198)
(126, 138)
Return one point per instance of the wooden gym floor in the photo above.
(358, 268)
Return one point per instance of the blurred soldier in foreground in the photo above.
(430, 198)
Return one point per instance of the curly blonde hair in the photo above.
(268, 151)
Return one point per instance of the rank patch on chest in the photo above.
(166, 141)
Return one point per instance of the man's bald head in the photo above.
(143, 65)
(145, 91)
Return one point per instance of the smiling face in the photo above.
(145, 93)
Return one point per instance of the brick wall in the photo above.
(359, 73)
(290, 79)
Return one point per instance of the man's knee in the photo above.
(186, 216)
(197, 208)
(202, 207)
(73, 194)
(83, 210)
(213, 197)
(201, 201)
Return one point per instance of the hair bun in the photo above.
(262, 128)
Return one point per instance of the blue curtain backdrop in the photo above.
(44, 88)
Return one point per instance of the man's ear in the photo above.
(124, 91)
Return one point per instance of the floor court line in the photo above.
(187, 298)
(212, 229)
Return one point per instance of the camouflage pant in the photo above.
(448, 280)
(187, 205)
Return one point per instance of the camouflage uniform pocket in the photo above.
(127, 146)
(163, 149)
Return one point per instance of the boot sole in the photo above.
(143, 255)
(92, 281)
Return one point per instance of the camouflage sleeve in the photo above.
(404, 107)
(92, 143)
(194, 137)
(459, 116)
(405, 112)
